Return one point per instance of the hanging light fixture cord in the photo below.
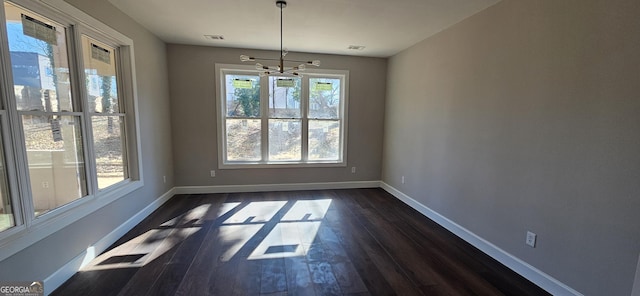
(280, 69)
(281, 4)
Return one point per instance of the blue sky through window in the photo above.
(20, 42)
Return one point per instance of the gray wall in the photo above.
(193, 114)
(46, 256)
(526, 116)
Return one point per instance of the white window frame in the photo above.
(30, 229)
(222, 70)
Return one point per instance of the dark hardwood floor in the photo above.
(330, 242)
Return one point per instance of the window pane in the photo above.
(100, 71)
(324, 140)
(243, 140)
(243, 96)
(39, 62)
(324, 98)
(56, 165)
(284, 140)
(7, 219)
(284, 97)
(109, 147)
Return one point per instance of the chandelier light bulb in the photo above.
(261, 67)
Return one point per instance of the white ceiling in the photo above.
(318, 26)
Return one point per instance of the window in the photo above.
(51, 123)
(281, 120)
(67, 96)
(106, 112)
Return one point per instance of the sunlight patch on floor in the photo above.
(226, 207)
(234, 237)
(150, 245)
(304, 210)
(194, 217)
(289, 236)
(289, 239)
(256, 212)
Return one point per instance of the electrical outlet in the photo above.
(213, 173)
(353, 170)
(531, 239)
(45, 184)
(402, 179)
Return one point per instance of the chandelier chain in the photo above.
(280, 69)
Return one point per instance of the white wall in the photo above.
(526, 116)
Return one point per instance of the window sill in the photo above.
(280, 165)
(16, 239)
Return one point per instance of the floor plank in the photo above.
(327, 242)
(298, 277)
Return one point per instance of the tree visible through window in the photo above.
(282, 119)
(243, 129)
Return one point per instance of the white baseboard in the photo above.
(56, 279)
(531, 273)
(275, 187)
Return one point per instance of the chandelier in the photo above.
(280, 69)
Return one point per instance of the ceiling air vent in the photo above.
(355, 47)
(214, 37)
